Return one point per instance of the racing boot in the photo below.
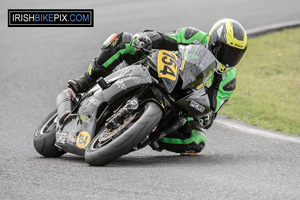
(82, 83)
(88, 80)
(189, 140)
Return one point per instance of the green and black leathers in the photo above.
(118, 49)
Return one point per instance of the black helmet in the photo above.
(227, 40)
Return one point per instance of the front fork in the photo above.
(116, 120)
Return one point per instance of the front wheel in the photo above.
(44, 137)
(108, 145)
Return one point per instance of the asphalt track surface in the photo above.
(239, 161)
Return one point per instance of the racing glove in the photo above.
(141, 42)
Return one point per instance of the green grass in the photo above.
(268, 83)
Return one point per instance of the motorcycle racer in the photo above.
(227, 41)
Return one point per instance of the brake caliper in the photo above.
(114, 121)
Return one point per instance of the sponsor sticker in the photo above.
(61, 138)
(95, 101)
(197, 106)
(85, 118)
(71, 139)
(121, 85)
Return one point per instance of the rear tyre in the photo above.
(44, 137)
(108, 145)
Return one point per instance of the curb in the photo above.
(251, 33)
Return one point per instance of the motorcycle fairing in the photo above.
(122, 82)
(194, 64)
(199, 66)
(197, 103)
(167, 67)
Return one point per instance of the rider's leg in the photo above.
(188, 140)
(115, 49)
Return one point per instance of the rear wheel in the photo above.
(44, 137)
(108, 145)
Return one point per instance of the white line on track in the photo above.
(257, 131)
(247, 128)
(271, 28)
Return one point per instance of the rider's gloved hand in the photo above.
(141, 42)
(207, 120)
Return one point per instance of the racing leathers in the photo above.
(119, 48)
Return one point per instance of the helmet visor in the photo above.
(227, 55)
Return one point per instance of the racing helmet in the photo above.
(227, 40)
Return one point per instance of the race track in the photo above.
(239, 161)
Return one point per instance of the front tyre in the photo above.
(44, 137)
(103, 150)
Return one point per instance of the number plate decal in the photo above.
(61, 137)
(167, 65)
(83, 139)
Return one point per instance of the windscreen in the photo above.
(199, 66)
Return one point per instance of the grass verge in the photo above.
(268, 83)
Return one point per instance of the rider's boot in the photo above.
(194, 149)
(188, 140)
(82, 83)
(88, 80)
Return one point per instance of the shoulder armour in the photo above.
(190, 32)
(126, 38)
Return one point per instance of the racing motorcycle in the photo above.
(131, 108)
